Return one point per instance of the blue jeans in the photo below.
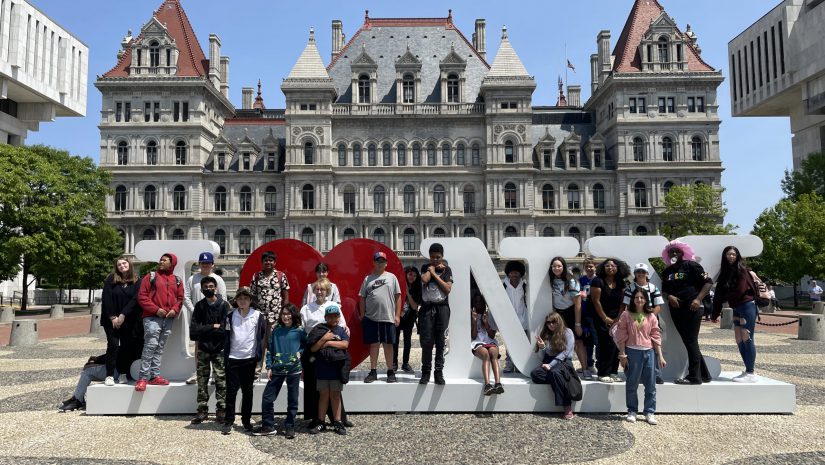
(92, 373)
(155, 332)
(640, 368)
(747, 348)
(273, 388)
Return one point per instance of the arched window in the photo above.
(598, 196)
(309, 153)
(574, 202)
(364, 89)
(640, 195)
(409, 199)
(468, 232)
(696, 149)
(666, 187)
(308, 236)
(431, 155)
(220, 199)
(548, 232)
(378, 199)
(453, 89)
(270, 235)
(349, 233)
(342, 155)
(356, 155)
(510, 231)
(387, 155)
(371, 155)
(469, 199)
(476, 155)
(150, 198)
(641, 231)
(510, 196)
(149, 234)
(154, 54)
(180, 152)
(270, 200)
(446, 155)
(408, 88)
(308, 197)
(245, 198)
(439, 199)
(667, 149)
(409, 239)
(178, 235)
(121, 198)
(151, 153)
(459, 155)
(179, 198)
(638, 149)
(402, 155)
(599, 231)
(416, 155)
(378, 235)
(548, 200)
(575, 234)
(220, 239)
(122, 153)
(245, 242)
(439, 232)
(349, 200)
(663, 48)
(509, 152)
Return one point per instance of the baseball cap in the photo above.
(332, 310)
(206, 257)
(641, 267)
(379, 256)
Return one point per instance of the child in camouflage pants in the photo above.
(207, 328)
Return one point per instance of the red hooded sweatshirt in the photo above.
(166, 293)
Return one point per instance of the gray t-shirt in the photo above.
(380, 292)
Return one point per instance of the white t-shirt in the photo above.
(244, 331)
(193, 294)
(562, 299)
(519, 301)
(312, 315)
(482, 337)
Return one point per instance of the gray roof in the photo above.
(309, 64)
(507, 63)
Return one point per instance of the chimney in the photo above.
(214, 60)
(574, 96)
(124, 45)
(337, 37)
(246, 100)
(594, 73)
(605, 65)
(479, 39)
(225, 76)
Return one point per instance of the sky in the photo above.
(264, 38)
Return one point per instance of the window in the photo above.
(150, 198)
(308, 236)
(439, 199)
(387, 156)
(180, 152)
(598, 197)
(152, 153)
(246, 161)
(661, 105)
(409, 199)
(571, 158)
(667, 149)
(176, 111)
(548, 232)
(118, 111)
(308, 107)
(156, 112)
(663, 47)
(121, 198)
(459, 155)
(509, 153)
(309, 153)
(510, 196)
(147, 111)
(439, 232)
(409, 239)
(638, 149)
(666, 187)
(349, 233)
(642, 104)
(476, 155)
(691, 105)
(446, 155)
(431, 155)
(168, 57)
(270, 161)
(575, 234)
(671, 105)
(356, 155)
(640, 195)
(641, 231)
(270, 235)
(416, 154)
(220, 199)
(371, 155)
(468, 232)
(245, 203)
(700, 104)
(469, 199)
(402, 155)
(509, 105)
(599, 231)
(696, 149)
(342, 155)
(178, 235)
(270, 200)
(349, 200)
(221, 161)
(452, 89)
(378, 235)
(154, 54)
(510, 231)
(408, 89)
(378, 199)
(179, 198)
(364, 89)
(597, 158)
(547, 156)
(149, 234)
(127, 112)
(220, 238)
(308, 197)
(122, 153)
(631, 105)
(548, 201)
(573, 198)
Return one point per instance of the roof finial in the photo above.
(312, 34)
(366, 15)
(450, 15)
(259, 100)
(503, 31)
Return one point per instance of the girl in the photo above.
(606, 292)
(321, 272)
(409, 314)
(119, 302)
(483, 345)
(641, 280)
(639, 341)
(556, 343)
(567, 303)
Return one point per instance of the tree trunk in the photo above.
(795, 297)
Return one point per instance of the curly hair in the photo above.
(622, 272)
(292, 310)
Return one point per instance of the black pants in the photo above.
(607, 354)
(112, 346)
(240, 374)
(687, 324)
(433, 320)
(555, 379)
(406, 327)
(311, 394)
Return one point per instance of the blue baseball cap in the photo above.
(206, 257)
(332, 310)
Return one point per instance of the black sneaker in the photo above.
(71, 405)
(439, 378)
(659, 380)
(264, 431)
(488, 389)
(348, 423)
(498, 388)
(425, 377)
(247, 426)
(290, 432)
(372, 376)
(340, 428)
(226, 429)
(391, 376)
(201, 415)
(318, 428)
(406, 368)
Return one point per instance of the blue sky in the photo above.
(264, 38)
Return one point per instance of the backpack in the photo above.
(153, 275)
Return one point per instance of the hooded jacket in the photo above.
(166, 292)
(202, 329)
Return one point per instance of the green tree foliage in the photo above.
(809, 179)
(52, 215)
(694, 209)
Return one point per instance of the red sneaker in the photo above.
(158, 381)
(140, 386)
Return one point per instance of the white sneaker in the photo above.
(606, 379)
(110, 381)
(741, 375)
(749, 378)
(192, 379)
(631, 417)
(651, 419)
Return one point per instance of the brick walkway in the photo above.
(50, 329)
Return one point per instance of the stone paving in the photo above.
(34, 380)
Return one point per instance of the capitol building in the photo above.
(409, 130)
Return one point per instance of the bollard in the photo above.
(94, 327)
(811, 328)
(97, 308)
(23, 333)
(767, 309)
(6, 314)
(726, 322)
(819, 308)
(56, 312)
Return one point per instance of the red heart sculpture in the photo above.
(349, 262)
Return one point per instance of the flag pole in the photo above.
(566, 61)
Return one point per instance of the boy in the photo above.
(192, 292)
(654, 296)
(588, 326)
(245, 330)
(329, 343)
(434, 317)
(207, 329)
(516, 289)
(380, 311)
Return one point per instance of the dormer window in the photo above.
(154, 54)
(662, 48)
(221, 161)
(363, 89)
(453, 95)
(408, 88)
(246, 160)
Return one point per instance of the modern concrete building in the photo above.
(778, 69)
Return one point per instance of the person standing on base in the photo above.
(516, 289)
(380, 311)
(192, 292)
(434, 317)
(270, 288)
(118, 304)
(207, 328)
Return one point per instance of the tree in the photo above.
(694, 209)
(51, 203)
(793, 234)
(809, 179)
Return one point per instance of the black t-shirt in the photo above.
(430, 289)
(611, 299)
(684, 280)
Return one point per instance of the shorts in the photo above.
(569, 316)
(376, 332)
(476, 345)
(331, 384)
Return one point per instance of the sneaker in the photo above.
(587, 374)
(568, 414)
(318, 428)
(659, 380)
(226, 429)
(499, 388)
(247, 426)
(425, 377)
(749, 378)
(372, 376)
(439, 378)
(339, 428)
(140, 386)
(159, 381)
(192, 379)
(201, 415)
(651, 419)
(348, 423)
(71, 405)
(606, 379)
(290, 432)
(391, 376)
(220, 415)
(264, 431)
(406, 368)
(509, 369)
(631, 417)
(488, 389)
(616, 378)
(110, 381)
(740, 375)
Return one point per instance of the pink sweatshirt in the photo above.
(631, 335)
